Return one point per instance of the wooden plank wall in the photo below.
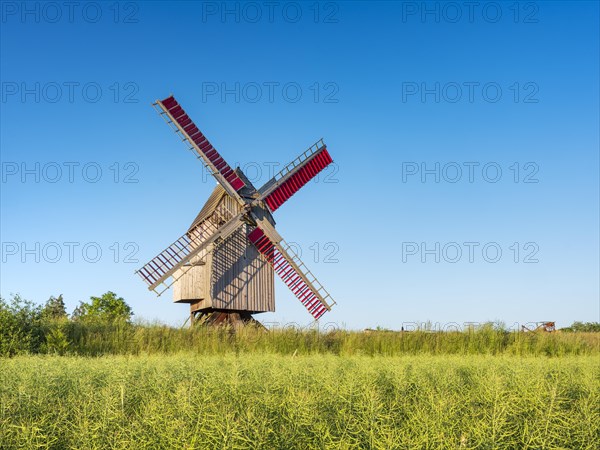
(235, 277)
(241, 277)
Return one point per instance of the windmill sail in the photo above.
(295, 175)
(291, 269)
(175, 116)
(160, 268)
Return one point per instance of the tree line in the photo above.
(103, 325)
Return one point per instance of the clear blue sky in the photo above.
(393, 88)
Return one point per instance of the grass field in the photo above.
(282, 401)
(95, 339)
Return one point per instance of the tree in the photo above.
(107, 308)
(54, 309)
(81, 311)
(581, 327)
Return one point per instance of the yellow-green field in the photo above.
(282, 401)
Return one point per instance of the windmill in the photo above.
(224, 265)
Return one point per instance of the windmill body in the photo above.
(224, 266)
(232, 276)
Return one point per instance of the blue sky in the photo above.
(405, 95)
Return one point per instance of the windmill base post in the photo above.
(233, 319)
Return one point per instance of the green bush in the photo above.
(20, 326)
(583, 327)
(108, 308)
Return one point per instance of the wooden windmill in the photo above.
(224, 265)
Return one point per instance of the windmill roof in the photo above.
(210, 206)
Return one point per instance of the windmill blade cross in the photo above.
(295, 175)
(177, 118)
(235, 279)
(294, 273)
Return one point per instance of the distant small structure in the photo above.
(549, 327)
